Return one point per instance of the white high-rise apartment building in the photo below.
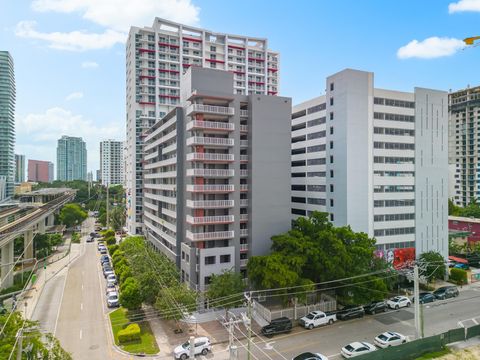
(217, 177)
(464, 125)
(111, 162)
(374, 159)
(156, 57)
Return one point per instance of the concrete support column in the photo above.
(41, 226)
(51, 220)
(28, 244)
(7, 265)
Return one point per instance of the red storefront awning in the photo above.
(458, 260)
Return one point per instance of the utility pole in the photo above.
(192, 347)
(20, 344)
(418, 332)
(248, 296)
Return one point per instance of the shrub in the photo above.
(458, 276)
(111, 240)
(112, 249)
(75, 238)
(130, 333)
(108, 233)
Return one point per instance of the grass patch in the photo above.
(147, 343)
(435, 355)
(75, 239)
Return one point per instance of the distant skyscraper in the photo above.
(40, 171)
(90, 176)
(19, 168)
(71, 159)
(7, 123)
(99, 175)
(111, 162)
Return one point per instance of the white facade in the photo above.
(156, 57)
(358, 153)
(111, 162)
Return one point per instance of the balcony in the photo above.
(243, 202)
(243, 173)
(243, 113)
(243, 187)
(243, 128)
(211, 188)
(210, 204)
(243, 247)
(243, 143)
(243, 262)
(219, 173)
(243, 217)
(210, 141)
(210, 109)
(217, 235)
(243, 158)
(205, 220)
(243, 232)
(210, 157)
(210, 125)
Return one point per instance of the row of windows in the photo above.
(395, 173)
(393, 102)
(311, 201)
(392, 131)
(316, 135)
(394, 217)
(393, 203)
(393, 160)
(313, 188)
(316, 108)
(310, 149)
(309, 162)
(393, 146)
(397, 231)
(393, 117)
(210, 260)
(309, 174)
(393, 188)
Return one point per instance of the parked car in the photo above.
(375, 307)
(350, 312)
(105, 261)
(101, 246)
(317, 318)
(461, 266)
(108, 271)
(446, 292)
(104, 258)
(90, 239)
(277, 326)
(425, 297)
(202, 347)
(398, 302)
(356, 349)
(310, 356)
(109, 288)
(103, 250)
(112, 279)
(389, 338)
(112, 299)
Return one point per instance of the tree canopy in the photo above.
(224, 286)
(432, 265)
(314, 251)
(72, 214)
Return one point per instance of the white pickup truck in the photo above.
(317, 318)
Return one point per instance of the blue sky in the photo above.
(70, 69)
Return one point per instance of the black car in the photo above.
(277, 326)
(351, 312)
(425, 297)
(104, 258)
(446, 292)
(375, 307)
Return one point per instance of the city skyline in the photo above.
(84, 104)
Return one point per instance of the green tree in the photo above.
(117, 218)
(432, 265)
(130, 295)
(72, 214)
(225, 285)
(453, 209)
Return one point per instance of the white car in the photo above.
(317, 318)
(310, 356)
(111, 279)
(202, 347)
(389, 338)
(112, 299)
(110, 288)
(398, 302)
(356, 349)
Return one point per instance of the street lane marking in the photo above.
(475, 321)
(81, 306)
(81, 333)
(61, 301)
(269, 345)
(82, 286)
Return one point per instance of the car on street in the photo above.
(350, 312)
(310, 356)
(317, 318)
(113, 300)
(356, 349)
(425, 297)
(90, 239)
(103, 251)
(398, 302)
(110, 288)
(101, 246)
(446, 292)
(389, 338)
(202, 347)
(375, 307)
(112, 279)
(107, 271)
(104, 258)
(277, 326)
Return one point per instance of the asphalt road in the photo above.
(328, 340)
(82, 327)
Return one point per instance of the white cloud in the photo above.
(42, 130)
(464, 5)
(74, 96)
(432, 47)
(121, 14)
(89, 65)
(73, 41)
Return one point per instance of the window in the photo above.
(209, 260)
(297, 199)
(298, 187)
(213, 48)
(316, 148)
(320, 161)
(314, 188)
(331, 130)
(331, 173)
(331, 187)
(224, 259)
(331, 115)
(315, 201)
(315, 135)
(299, 212)
(332, 217)
(299, 114)
(331, 144)
(331, 159)
(298, 163)
(316, 108)
(331, 101)
(318, 121)
(302, 174)
(331, 202)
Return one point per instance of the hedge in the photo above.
(458, 276)
(130, 333)
(112, 249)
